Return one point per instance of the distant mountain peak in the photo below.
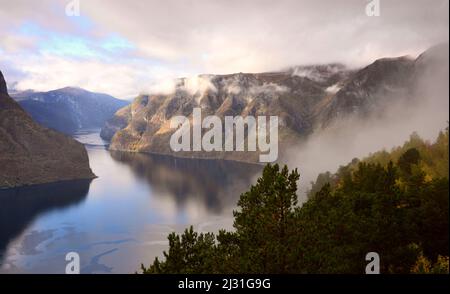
(71, 90)
(70, 108)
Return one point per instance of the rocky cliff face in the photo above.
(373, 89)
(3, 89)
(116, 123)
(69, 109)
(144, 126)
(304, 98)
(31, 154)
(370, 89)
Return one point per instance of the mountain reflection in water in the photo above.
(20, 206)
(216, 183)
(120, 219)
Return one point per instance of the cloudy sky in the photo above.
(126, 47)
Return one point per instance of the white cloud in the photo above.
(223, 36)
(14, 43)
(232, 36)
(333, 88)
(198, 84)
(267, 88)
(122, 80)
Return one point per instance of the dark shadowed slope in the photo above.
(32, 154)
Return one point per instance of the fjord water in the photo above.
(120, 219)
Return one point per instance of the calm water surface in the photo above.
(122, 218)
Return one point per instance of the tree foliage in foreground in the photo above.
(394, 209)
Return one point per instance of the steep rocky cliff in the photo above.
(32, 154)
(304, 98)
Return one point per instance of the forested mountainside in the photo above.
(394, 204)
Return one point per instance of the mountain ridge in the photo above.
(31, 154)
(305, 99)
(69, 109)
